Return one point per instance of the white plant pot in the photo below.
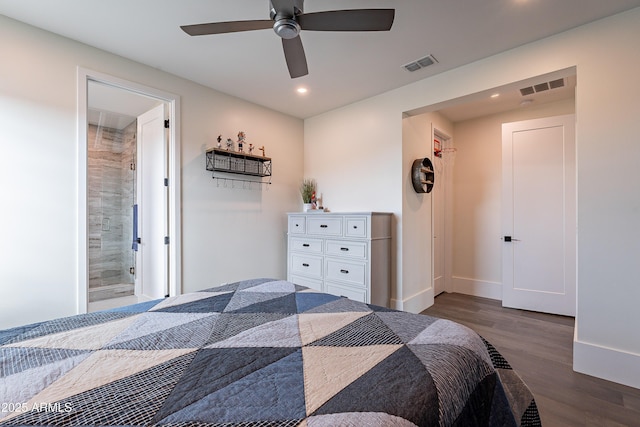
(307, 207)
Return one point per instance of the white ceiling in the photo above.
(343, 67)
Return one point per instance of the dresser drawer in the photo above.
(356, 227)
(324, 226)
(297, 224)
(346, 248)
(305, 244)
(351, 272)
(308, 265)
(346, 291)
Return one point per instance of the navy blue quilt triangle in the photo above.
(273, 393)
(398, 379)
(216, 368)
(310, 300)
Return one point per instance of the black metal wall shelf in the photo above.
(219, 160)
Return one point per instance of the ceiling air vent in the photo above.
(554, 84)
(527, 91)
(420, 63)
(541, 87)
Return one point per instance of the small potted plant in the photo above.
(308, 192)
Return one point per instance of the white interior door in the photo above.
(539, 215)
(152, 266)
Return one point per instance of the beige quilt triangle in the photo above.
(92, 337)
(104, 367)
(314, 326)
(328, 370)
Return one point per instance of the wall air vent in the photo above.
(420, 63)
(541, 87)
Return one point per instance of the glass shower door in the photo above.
(111, 198)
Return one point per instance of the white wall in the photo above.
(607, 138)
(477, 222)
(417, 292)
(226, 234)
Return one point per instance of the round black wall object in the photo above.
(422, 175)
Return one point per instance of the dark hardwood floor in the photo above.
(539, 347)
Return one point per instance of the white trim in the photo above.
(607, 363)
(175, 250)
(478, 288)
(415, 303)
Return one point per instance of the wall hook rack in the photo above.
(245, 184)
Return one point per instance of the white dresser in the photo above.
(346, 254)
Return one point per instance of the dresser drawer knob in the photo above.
(344, 271)
(306, 245)
(304, 264)
(323, 226)
(344, 249)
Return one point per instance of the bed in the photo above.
(259, 352)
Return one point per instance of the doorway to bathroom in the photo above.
(129, 238)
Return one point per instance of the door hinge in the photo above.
(166, 124)
(132, 166)
(166, 182)
(166, 240)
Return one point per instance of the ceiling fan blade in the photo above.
(348, 20)
(295, 57)
(226, 27)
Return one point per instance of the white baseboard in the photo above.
(478, 288)
(607, 363)
(415, 303)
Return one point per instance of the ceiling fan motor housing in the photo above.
(286, 28)
(285, 24)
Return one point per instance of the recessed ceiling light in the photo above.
(302, 90)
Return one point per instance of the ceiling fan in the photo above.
(288, 19)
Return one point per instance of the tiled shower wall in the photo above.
(111, 194)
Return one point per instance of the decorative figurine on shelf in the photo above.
(262, 149)
(241, 138)
(229, 144)
(250, 148)
(219, 139)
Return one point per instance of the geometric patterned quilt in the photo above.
(259, 352)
